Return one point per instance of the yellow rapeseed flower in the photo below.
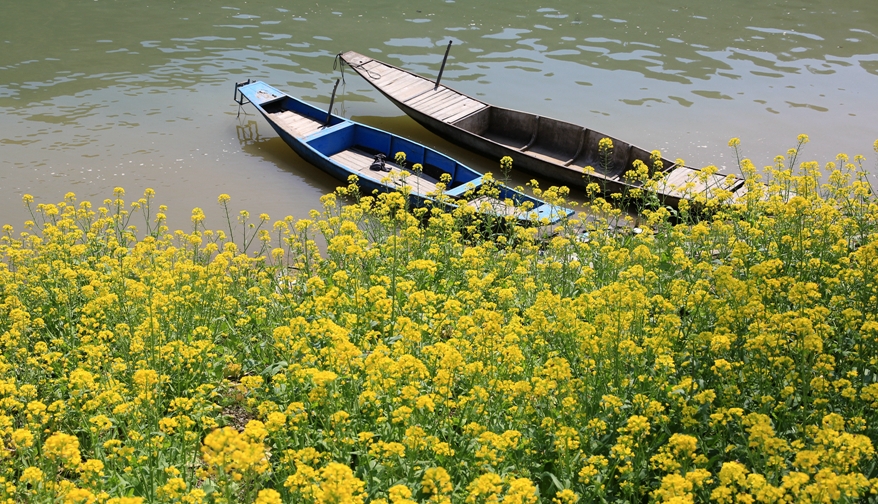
(268, 496)
(63, 449)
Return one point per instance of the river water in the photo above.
(96, 94)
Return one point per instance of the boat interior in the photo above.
(356, 147)
(298, 118)
(359, 145)
(555, 141)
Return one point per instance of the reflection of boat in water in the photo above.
(248, 132)
(342, 147)
(542, 146)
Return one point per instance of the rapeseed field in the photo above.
(724, 352)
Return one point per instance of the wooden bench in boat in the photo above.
(359, 161)
(298, 125)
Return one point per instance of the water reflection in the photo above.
(248, 132)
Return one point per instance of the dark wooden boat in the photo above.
(342, 147)
(542, 146)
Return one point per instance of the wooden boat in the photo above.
(542, 146)
(342, 147)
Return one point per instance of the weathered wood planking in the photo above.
(396, 82)
(434, 108)
(684, 180)
(444, 104)
(465, 109)
(416, 91)
(497, 207)
(429, 96)
(360, 162)
(298, 125)
(413, 90)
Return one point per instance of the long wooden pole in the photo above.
(442, 69)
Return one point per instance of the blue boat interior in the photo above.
(371, 142)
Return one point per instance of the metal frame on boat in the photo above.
(542, 146)
(342, 147)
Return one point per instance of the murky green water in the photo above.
(102, 93)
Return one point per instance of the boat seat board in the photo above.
(296, 124)
(359, 162)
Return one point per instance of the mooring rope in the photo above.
(339, 63)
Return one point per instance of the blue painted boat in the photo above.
(342, 148)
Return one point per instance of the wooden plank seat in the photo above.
(359, 161)
(298, 125)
